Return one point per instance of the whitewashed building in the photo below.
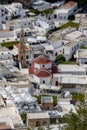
(65, 11)
(5, 56)
(69, 80)
(41, 69)
(43, 77)
(69, 43)
(16, 10)
(18, 23)
(4, 15)
(81, 56)
(61, 14)
(71, 69)
(43, 25)
(41, 5)
(7, 36)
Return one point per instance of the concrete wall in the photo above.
(31, 123)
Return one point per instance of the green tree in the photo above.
(78, 96)
(77, 121)
(60, 59)
(40, 128)
(24, 117)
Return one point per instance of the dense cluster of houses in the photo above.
(21, 87)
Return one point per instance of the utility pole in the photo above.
(22, 51)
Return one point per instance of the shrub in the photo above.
(60, 59)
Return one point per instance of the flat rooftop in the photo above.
(7, 120)
(39, 115)
(62, 10)
(82, 53)
(74, 35)
(69, 68)
(13, 114)
(4, 31)
(71, 43)
(71, 79)
(4, 49)
(45, 99)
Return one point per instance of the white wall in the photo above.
(39, 66)
(0, 73)
(43, 26)
(63, 16)
(6, 34)
(5, 55)
(82, 61)
(40, 80)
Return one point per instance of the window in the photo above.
(51, 27)
(38, 123)
(2, 10)
(3, 40)
(55, 16)
(25, 34)
(56, 54)
(43, 82)
(47, 108)
(64, 17)
(6, 18)
(27, 57)
(18, 35)
(56, 83)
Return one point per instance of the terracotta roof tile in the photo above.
(43, 73)
(70, 4)
(5, 127)
(18, 45)
(41, 60)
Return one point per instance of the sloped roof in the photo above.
(43, 73)
(70, 4)
(41, 60)
(18, 46)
